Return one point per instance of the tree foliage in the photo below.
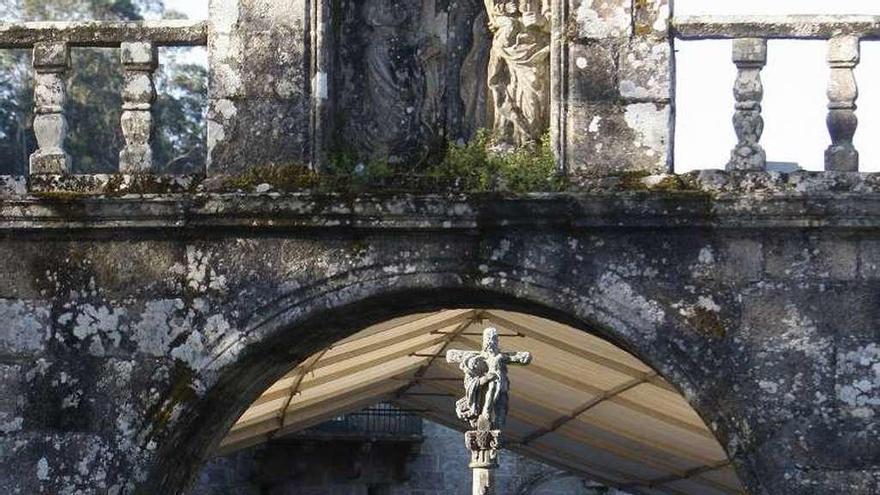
(94, 94)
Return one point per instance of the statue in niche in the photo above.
(474, 87)
(484, 405)
(391, 82)
(432, 63)
(519, 70)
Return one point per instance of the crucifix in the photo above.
(484, 405)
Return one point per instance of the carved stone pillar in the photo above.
(750, 56)
(51, 61)
(140, 60)
(483, 446)
(843, 56)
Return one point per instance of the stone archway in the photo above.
(582, 404)
(280, 344)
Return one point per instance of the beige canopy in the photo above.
(583, 404)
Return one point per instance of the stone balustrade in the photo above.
(138, 43)
(586, 140)
(750, 34)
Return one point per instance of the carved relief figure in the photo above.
(432, 64)
(474, 86)
(391, 80)
(484, 405)
(519, 70)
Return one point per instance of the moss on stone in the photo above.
(707, 322)
(282, 177)
(632, 181)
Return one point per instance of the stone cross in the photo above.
(484, 405)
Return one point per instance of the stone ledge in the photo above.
(721, 181)
(104, 33)
(274, 210)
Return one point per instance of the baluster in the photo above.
(750, 56)
(51, 61)
(843, 56)
(139, 60)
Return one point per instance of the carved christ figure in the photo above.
(519, 70)
(484, 405)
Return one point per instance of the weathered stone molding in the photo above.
(103, 33)
(718, 209)
(780, 27)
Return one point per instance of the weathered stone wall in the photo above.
(619, 87)
(378, 80)
(138, 328)
(440, 468)
(259, 85)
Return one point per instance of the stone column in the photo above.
(51, 61)
(258, 109)
(843, 56)
(483, 446)
(140, 60)
(750, 56)
(613, 105)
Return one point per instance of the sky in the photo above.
(795, 80)
(194, 9)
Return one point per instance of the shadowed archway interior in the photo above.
(584, 404)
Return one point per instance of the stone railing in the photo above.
(632, 136)
(750, 35)
(138, 43)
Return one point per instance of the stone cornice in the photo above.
(285, 211)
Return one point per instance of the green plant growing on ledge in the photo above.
(471, 167)
(476, 167)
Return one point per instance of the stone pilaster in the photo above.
(616, 97)
(140, 60)
(51, 61)
(750, 56)
(843, 56)
(258, 110)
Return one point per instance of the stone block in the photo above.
(226, 65)
(811, 258)
(607, 138)
(275, 64)
(259, 98)
(264, 15)
(12, 399)
(869, 259)
(843, 49)
(592, 71)
(651, 17)
(599, 19)
(742, 259)
(50, 57)
(750, 50)
(256, 131)
(139, 53)
(645, 70)
(223, 16)
(25, 326)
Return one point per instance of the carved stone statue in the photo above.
(485, 381)
(519, 70)
(484, 405)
